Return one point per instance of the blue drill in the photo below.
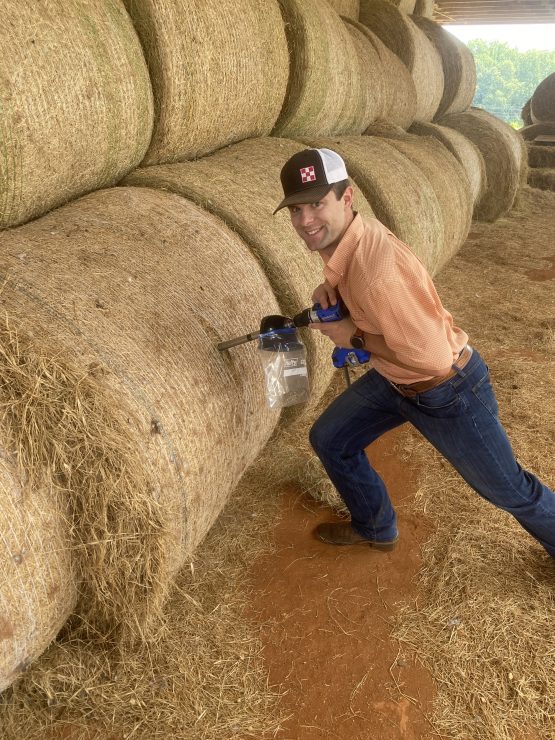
(342, 357)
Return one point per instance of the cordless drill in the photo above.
(341, 356)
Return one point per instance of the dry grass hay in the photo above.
(463, 149)
(448, 180)
(76, 112)
(219, 72)
(529, 133)
(406, 6)
(395, 86)
(399, 194)
(37, 585)
(459, 68)
(542, 105)
(144, 424)
(326, 81)
(542, 178)
(501, 149)
(424, 8)
(404, 38)
(373, 95)
(241, 185)
(525, 114)
(541, 156)
(346, 8)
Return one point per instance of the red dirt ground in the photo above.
(327, 615)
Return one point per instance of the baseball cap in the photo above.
(309, 175)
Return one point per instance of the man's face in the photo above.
(322, 224)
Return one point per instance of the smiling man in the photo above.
(423, 370)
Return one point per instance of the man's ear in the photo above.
(348, 196)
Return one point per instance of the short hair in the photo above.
(340, 187)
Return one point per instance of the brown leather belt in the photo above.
(413, 389)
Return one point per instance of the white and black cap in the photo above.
(309, 175)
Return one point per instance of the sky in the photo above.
(523, 37)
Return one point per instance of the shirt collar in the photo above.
(337, 265)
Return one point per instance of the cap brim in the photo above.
(309, 195)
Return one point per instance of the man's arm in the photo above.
(340, 333)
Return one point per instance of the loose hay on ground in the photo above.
(404, 38)
(219, 71)
(76, 111)
(133, 424)
(463, 149)
(483, 622)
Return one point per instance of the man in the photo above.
(423, 370)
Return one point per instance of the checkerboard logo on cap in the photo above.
(308, 174)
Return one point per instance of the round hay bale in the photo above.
(424, 8)
(463, 149)
(400, 34)
(500, 147)
(400, 195)
(219, 72)
(346, 8)
(449, 182)
(529, 133)
(525, 114)
(37, 585)
(326, 80)
(76, 110)
(144, 425)
(241, 185)
(542, 178)
(541, 156)
(397, 85)
(373, 96)
(542, 106)
(406, 6)
(459, 68)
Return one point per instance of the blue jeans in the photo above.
(459, 417)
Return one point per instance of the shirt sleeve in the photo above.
(407, 311)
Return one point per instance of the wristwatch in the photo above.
(357, 340)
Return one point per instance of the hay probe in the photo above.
(342, 357)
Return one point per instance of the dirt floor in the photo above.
(327, 615)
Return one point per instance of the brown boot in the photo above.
(341, 533)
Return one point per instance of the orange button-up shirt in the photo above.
(389, 292)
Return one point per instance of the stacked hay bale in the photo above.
(501, 148)
(396, 86)
(346, 8)
(37, 584)
(219, 72)
(326, 77)
(539, 134)
(424, 8)
(459, 68)
(463, 149)
(116, 392)
(76, 103)
(241, 185)
(410, 44)
(400, 195)
(447, 178)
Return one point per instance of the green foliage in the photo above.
(506, 77)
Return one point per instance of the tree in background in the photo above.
(506, 77)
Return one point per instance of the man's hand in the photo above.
(340, 332)
(325, 295)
